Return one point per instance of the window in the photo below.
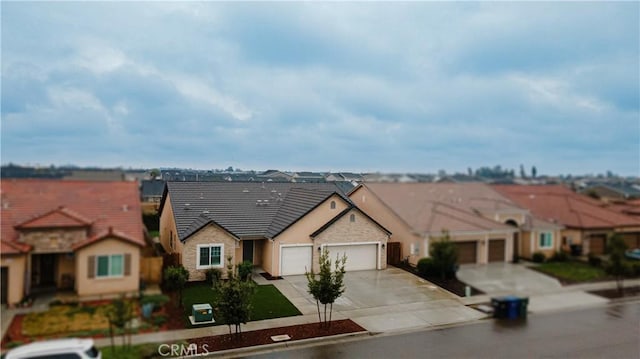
(110, 266)
(210, 255)
(333, 204)
(352, 217)
(546, 240)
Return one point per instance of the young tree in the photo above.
(235, 298)
(119, 315)
(444, 256)
(522, 172)
(329, 285)
(175, 277)
(534, 172)
(617, 265)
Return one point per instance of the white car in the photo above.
(56, 349)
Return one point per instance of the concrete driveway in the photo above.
(385, 300)
(545, 293)
(507, 278)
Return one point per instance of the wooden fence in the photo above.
(151, 270)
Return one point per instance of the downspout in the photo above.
(273, 252)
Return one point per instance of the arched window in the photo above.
(333, 204)
(352, 218)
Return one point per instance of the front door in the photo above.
(247, 251)
(43, 270)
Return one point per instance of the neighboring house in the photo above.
(584, 219)
(484, 226)
(95, 175)
(280, 227)
(74, 235)
(613, 191)
(309, 177)
(151, 190)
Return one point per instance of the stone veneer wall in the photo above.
(345, 231)
(210, 234)
(53, 240)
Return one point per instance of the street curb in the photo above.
(288, 344)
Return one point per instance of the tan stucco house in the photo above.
(79, 236)
(484, 225)
(280, 227)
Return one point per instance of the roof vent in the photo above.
(187, 206)
(532, 196)
(201, 196)
(246, 190)
(259, 203)
(125, 208)
(205, 212)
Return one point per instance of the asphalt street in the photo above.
(609, 331)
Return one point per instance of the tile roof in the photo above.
(7, 247)
(244, 209)
(41, 202)
(433, 207)
(59, 217)
(110, 233)
(559, 204)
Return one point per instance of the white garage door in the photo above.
(295, 259)
(359, 256)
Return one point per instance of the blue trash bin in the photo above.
(513, 307)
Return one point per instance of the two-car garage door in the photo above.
(359, 257)
(298, 259)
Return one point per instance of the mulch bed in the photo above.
(268, 276)
(615, 294)
(454, 285)
(262, 337)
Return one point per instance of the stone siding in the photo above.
(53, 240)
(210, 234)
(345, 231)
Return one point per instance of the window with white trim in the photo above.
(110, 266)
(333, 204)
(545, 240)
(209, 256)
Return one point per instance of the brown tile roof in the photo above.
(559, 204)
(433, 207)
(41, 203)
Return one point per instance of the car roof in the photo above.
(48, 346)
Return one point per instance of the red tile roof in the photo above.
(41, 203)
(110, 233)
(7, 247)
(559, 204)
(59, 217)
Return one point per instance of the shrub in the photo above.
(594, 260)
(559, 256)
(426, 267)
(634, 268)
(538, 257)
(159, 320)
(213, 276)
(244, 270)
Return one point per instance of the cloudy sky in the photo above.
(385, 87)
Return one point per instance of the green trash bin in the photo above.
(524, 304)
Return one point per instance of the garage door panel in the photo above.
(359, 257)
(296, 260)
(467, 252)
(496, 250)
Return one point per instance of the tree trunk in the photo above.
(113, 344)
(318, 306)
(325, 315)
(330, 314)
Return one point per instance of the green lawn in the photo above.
(572, 271)
(267, 303)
